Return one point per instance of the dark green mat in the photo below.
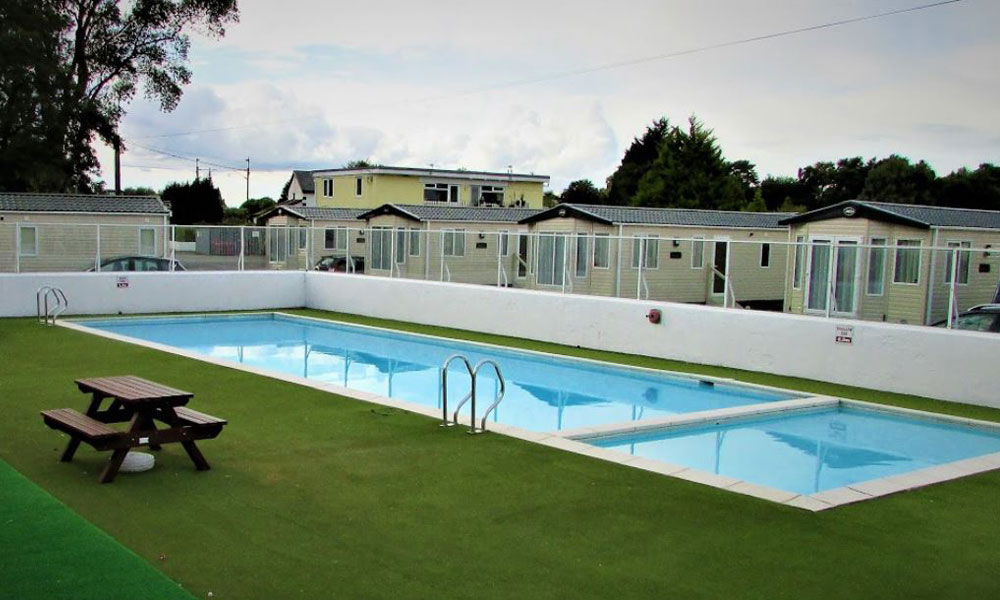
(48, 551)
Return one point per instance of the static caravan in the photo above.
(298, 237)
(679, 255)
(76, 232)
(892, 262)
(462, 244)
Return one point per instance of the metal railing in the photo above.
(895, 280)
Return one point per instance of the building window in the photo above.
(800, 261)
(963, 263)
(414, 242)
(503, 237)
(27, 236)
(907, 267)
(328, 188)
(491, 194)
(765, 256)
(441, 192)
(876, 267)
(381, 248)
(357, 186)
(649, 248)
(147, 241)
(335, 238)
(400, 245)
(454, 242)
(522, 255)
(602, 251)
(698, 253)
(551, 258)
(582, 255)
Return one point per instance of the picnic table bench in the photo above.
(140, 403)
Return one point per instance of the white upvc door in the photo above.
(833, 275)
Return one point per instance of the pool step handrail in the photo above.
(444, 388)
(473, 375)
(47, 315)
(496, 401)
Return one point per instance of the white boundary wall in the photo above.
(138, 292)
(949, 365)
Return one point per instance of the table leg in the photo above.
(111, 469)
(196, 456)
(67, 455)
(146, 423)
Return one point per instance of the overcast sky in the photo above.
(302, 84)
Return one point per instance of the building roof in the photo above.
(435, 174)
(635, 215)
(312, 213)
(430, 212)
(913, 215)
(305, 181)
(81, 203)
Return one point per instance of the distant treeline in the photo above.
(672, 166)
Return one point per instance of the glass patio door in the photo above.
(839, 259)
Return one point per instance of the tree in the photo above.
(784, 193)
(94, 56)
(33, 79)
(690, 172)
(197, 202)
(549, 199)
(894, 179)
(361, 164)
(582, 191)
(138, 191)
(283, 197)
(624, 182)
(971, 189)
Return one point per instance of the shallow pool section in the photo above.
(811, 451)
(544, 392)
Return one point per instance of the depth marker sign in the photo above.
(844, 335)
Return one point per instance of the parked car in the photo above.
(138, 263)
(985, 317)
(339, 264)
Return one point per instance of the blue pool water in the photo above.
(811, 451)
(544, 393)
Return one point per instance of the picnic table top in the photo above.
(130, 388)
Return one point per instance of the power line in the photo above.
(583, 71)
(187, 158)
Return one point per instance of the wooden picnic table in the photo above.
(140, 403)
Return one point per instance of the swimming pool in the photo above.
(544, 392)
(810, 451)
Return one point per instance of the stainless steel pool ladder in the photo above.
(59, 304)
(473, 374)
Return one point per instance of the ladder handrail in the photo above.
(503, 388)
(42, 298)
(444, 388)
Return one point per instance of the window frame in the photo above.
(340, 234)
(581, 237)
(872, 252)
(358, 181)
(698, 250)
(454, 235)
(20, 240)
(557, 265)
(605, 237)
(140, 252)
(328, 187)
(964, 250)
(643, 241)
(917, 249)
(765, 257)
(452, 192)
(799, 262)
(414, 241)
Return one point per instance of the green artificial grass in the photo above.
(48, 551)
(316, 496)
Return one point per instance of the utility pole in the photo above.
(248, 179)
(197, 169)
(118, 166)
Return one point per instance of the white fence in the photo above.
(899, 282)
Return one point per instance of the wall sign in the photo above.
(121, 281)
(844, 334)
